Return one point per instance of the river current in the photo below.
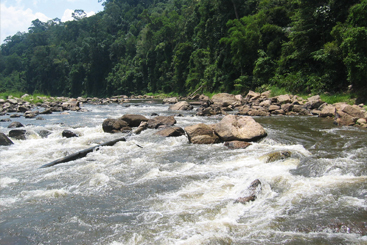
(156, 190)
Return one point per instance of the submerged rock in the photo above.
(275, 156)
(253, 189)
(236, 144)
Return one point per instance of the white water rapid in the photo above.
(173, 192)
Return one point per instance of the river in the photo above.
(155, 190)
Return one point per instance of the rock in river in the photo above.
(275, 156)
(4, 140)
(242, 128)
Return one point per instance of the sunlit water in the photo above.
(173, 192)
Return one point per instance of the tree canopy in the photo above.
(136, 47)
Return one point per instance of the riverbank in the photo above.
(268, 103)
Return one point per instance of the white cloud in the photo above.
(16, 18)
(68, 13)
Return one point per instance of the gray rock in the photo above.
(69, 134)
(18, 134)
(15, 125)
(4, 140)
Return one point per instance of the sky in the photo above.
(17, 15)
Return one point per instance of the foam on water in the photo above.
(155, 190)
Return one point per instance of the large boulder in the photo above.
(344, 119)
(327, 111)
(115, 125)
(171, 132)
(181, 106)
(224, 99)
(283, 99)
(314, 102)
(134, 120)
(354, 111)
(4, 140)
(242, 128)
(72, 104)
(201, 134)
(18, 134)
(161, 122)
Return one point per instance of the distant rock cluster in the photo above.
(262, 104)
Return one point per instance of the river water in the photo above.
(155, 190)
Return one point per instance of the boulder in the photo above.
(241, 128)
(209, 111)
(244, 110)
(344, 119)
(314, 102)
(115, 125)
(68, 134)
(15, 125)
(266, 94)
(181, 106)
(287, 107)
(201, 134)
(4, 140)
(72, 104)
(134, 120)
(172, 100)
(31, 114)
(236, 144)
(327, 111)
(353, 110)
(251, 95)
(18, 134)
(143, 126)
(265, 103)
(224, 99)
(283, 99)
(274, 107)
(258, 112)
(204, 97)
(161, 121)
(171, 132)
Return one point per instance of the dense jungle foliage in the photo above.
(179, 46)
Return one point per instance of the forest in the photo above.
(179, 46)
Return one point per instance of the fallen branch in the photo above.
(81, 154)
